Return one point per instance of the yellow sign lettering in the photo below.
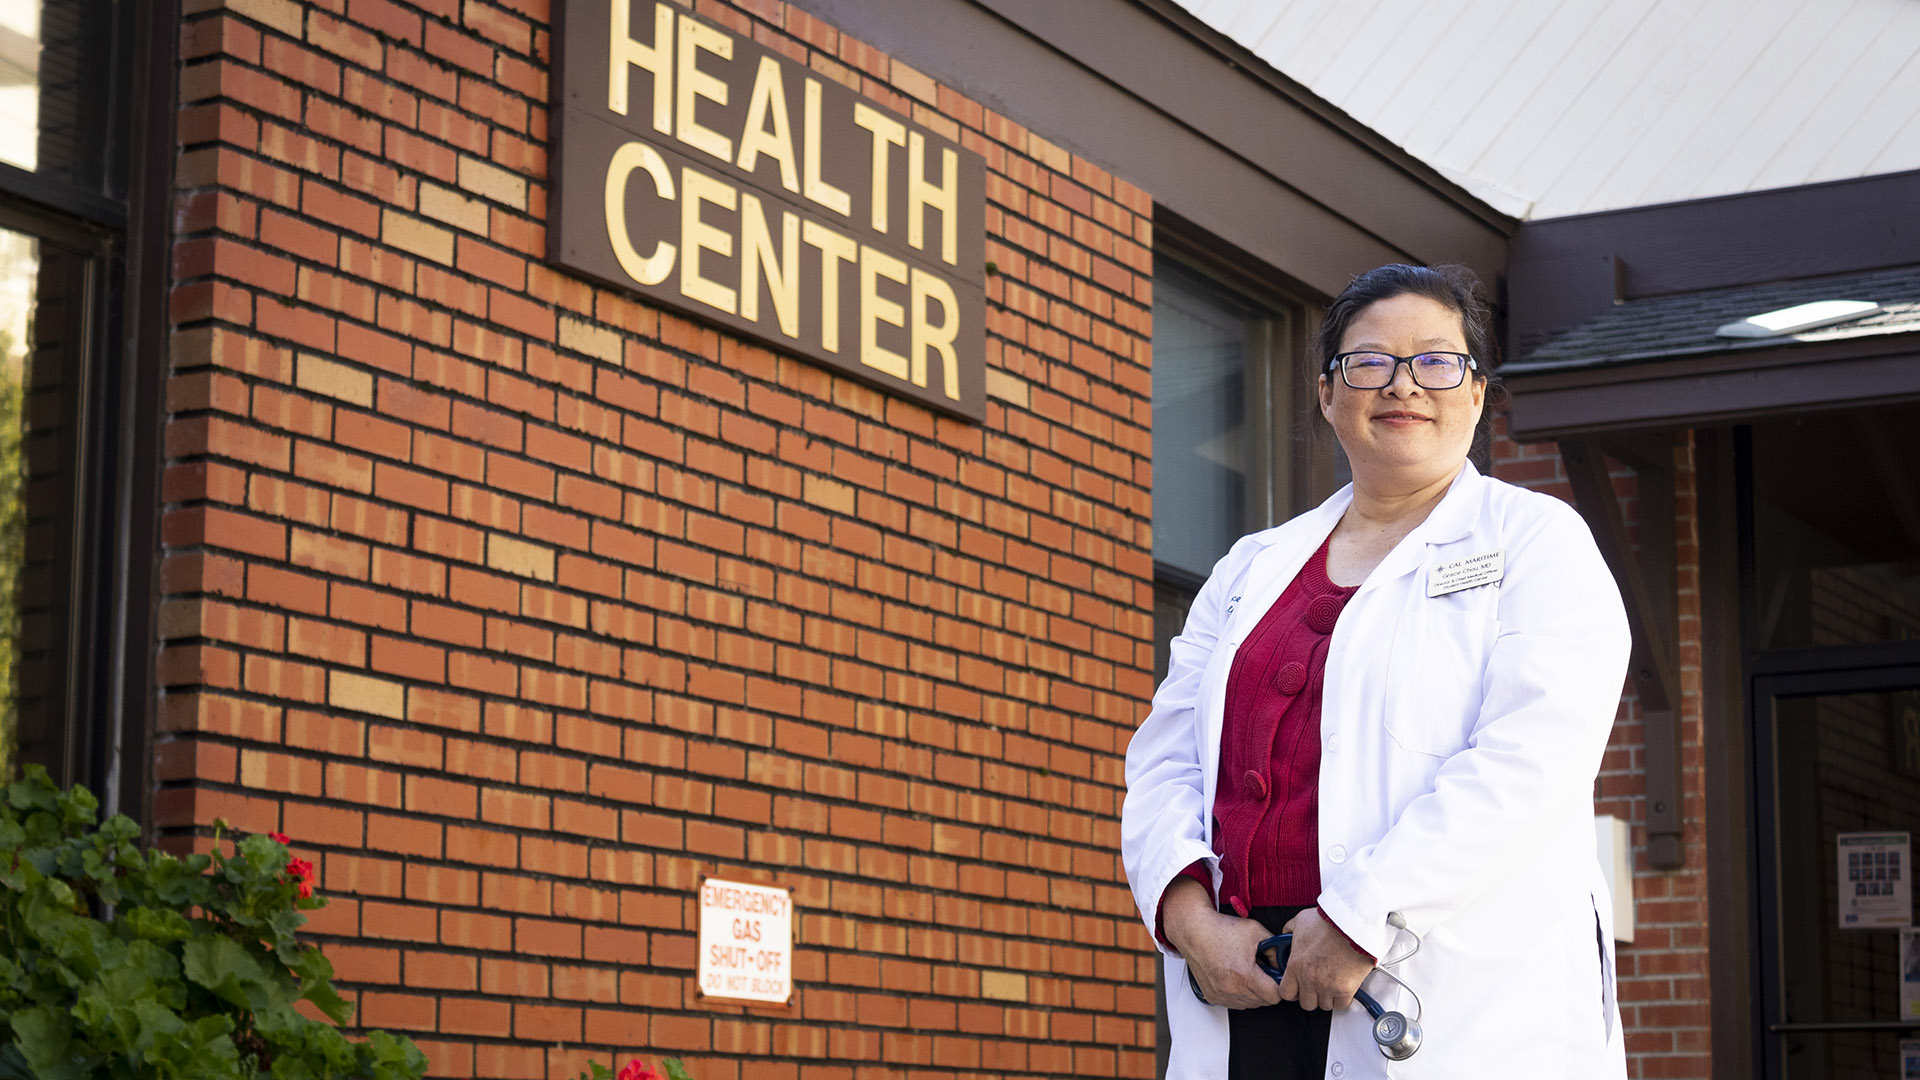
(876, 309)
(939, 337)
(653, 269)
(944, 197)
(769, 102)
(780, 266)
(696, 190)
(817, 189)
(623, 50)
(887, 133)
(834, 250)
(694, 84)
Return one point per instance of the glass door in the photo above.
(1838, 777)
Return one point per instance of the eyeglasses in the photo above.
(1430, 370)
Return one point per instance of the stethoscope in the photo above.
(1395, 1035)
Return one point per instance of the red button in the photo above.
(1323, 613)
(1256, 784)
(1291, 679)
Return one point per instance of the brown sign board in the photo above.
(715, 176)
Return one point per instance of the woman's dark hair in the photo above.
(1454, 287)
(1448, 285)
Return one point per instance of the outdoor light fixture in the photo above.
(1793, 320)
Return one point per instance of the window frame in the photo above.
(112, 491)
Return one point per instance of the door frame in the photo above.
(1770, 676)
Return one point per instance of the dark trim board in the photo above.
(1237, 153)
(142, 374)
(1726, 832)
(1718, 388)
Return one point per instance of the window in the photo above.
(82, 329)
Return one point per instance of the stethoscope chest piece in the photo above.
(1397, 1036)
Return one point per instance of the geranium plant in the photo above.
(635, 1069)
(122, 963)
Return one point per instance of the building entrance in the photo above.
(1833, 628)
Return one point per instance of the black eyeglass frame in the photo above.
(1339, 360)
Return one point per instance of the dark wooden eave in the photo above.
(1212, 133)
(1702, 391)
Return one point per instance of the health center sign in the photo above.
(706, 172)
(746, 942)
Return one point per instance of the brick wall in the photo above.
(519, 604)
(1664, 997)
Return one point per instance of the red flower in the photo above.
(636, 1070)
(278, 838)
(301, 871)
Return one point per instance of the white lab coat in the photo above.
(1460, 737)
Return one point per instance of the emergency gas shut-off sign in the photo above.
(711, 174)
(746, 942)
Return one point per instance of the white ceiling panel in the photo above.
(1553, 107)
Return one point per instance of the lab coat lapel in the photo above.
(1275, 567)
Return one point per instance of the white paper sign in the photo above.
(1910, 1059)
(1468, 573)
(1876, 890)
(746, 941)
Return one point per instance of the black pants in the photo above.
(1278, 1042)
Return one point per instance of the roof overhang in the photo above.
(1612, 318)
(1724, 387)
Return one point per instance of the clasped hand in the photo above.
(1322, 972)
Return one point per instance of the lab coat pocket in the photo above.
(1439, 666)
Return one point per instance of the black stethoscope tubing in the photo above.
(1396, 1036)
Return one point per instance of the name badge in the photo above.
(1467, 573)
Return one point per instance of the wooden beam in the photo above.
(1724, 738)
(1652, 666)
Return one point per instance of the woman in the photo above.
(1379, 732)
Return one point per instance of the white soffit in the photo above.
(1552, 107)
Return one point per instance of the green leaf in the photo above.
(327, 1000)
(284, 925)
(153, 924)
(179, 883)
(44, 1033)
(675, 1069)
(157, 1022)
(78, 807)
(120, 829)
(201, 1049)
(33, 791)
(224, 967)
(392, 1057)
